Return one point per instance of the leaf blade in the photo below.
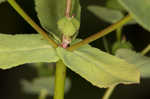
(19, 49)
(138, 9)
(106, 14)
(95, 66)
(114, 4)
(142, 62)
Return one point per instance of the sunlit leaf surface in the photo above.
(25, 48)
(98, 67)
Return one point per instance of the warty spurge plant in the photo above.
(99, 68)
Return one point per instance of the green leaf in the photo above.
(1, 1)
(106, 14)
(42, 83)
(139, 9)
(114, 4)
(98, 67)
(142, 62)
(109, 15)
(26, 48)
(50, 11)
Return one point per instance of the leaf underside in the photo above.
(99, 68)
(109, 15)
(23, 48)
(142, 62)
(114, 4)
(106, 14)
(139, 9)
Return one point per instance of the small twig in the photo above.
(146, 50)
(101, 33)
(68, 8)
(14, 4)
(108, 92)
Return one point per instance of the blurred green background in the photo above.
(12, 23)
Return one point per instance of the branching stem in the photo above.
(14, 4)
(101, 33)
(60, 67)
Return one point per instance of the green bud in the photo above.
(122, 44)
(68, 26)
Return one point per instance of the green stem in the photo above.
(43, 94)
(145, 50)
(106, 44)
(60, 75)
(118, 33)
(101, 33)
(108, 92)
(68, 8)
(14, 4)
(60, 80)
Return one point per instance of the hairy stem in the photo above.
(60, 80)
(101, 33)
(108, 92)
(14, 4)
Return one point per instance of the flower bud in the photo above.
(68, 26)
